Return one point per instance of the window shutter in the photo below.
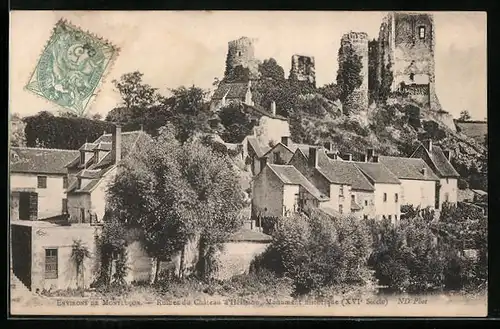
(33, 206)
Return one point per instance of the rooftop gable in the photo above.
(408, 168)
(443, 167)
(290, 175)
(40, 160)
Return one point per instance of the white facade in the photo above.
(448, 191)
(50, 198)
(418, 193)
(387, 199)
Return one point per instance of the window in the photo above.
(383, 217)
(296, 202)
(341, 190)
(42, 181)
(353, 198)
(396, 198)
(366, 202)
(390, 217)
(447, 180)
(421, 32)
(239, 53)
(65, 182)
(412, 76)
(64, 206)
(446, 197)
(51, 263)
(365, 216)
(82, 215)
(396, 217)
(341, 209)
(385, 197)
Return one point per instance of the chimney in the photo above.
(427, 144)
(424, 171)
(369, 155)
(313, 156)
(447, 154)
(375, 158)
(116, 144)
(273, 108)
(285, 140)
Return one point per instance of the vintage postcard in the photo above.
(258, 163)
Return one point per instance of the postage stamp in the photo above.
(71, 67)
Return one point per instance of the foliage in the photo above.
(17, 134)
(237, 123)
(49, 131)
(349, 73)
(317, 251)
(270, 69)
(134, 92)
(237, 74)
(79, 252)
(464, 116)
(330, 91)
(179, 193)
(386, 83)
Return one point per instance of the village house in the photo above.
(93, 169)
(387, 187)
(281, 190)
(334, 178)
(233, 92)
(38, 182)
(418, 182)
(439, 161)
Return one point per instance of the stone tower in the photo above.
(241, 52)
(358, 42)
(303, 69)
(406, 43)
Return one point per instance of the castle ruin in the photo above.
(406, 45)
(358, 43)
(241, 52)
(303, 69)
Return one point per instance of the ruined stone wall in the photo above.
(241, 52)
(303, 69)
(358, 99)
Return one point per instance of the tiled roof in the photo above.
(342, 172)
(331, 212)
(95, 171)
(247, 235)
(442, 164)
(408, 168)
(377, 172)
(290, 175)
(258, 149)
(39, 160)
(231, 90)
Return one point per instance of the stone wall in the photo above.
(303, 69)
(241, 52)
(358, 99)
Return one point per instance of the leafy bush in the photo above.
(318, 251)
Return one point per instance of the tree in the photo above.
(349, 73)
(237, 74)
(237, 123)
(270, 69)
(464, 116)
(176, 193)
(134, 92)
(330, 91)
(17, 127)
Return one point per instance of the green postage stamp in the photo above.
(71, 67)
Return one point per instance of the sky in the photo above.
(186, 48)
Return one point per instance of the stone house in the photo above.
(93, 169)
(332, 178)
(439, 161)
(418, 181)
(233, 92)
(281, 190)
(387, 188)
(38, 182)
